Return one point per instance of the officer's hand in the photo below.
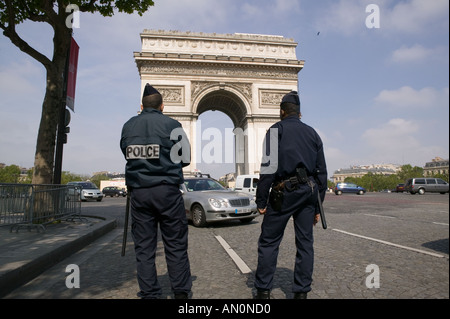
(262, 211)
(316, 219)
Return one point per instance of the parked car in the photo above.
(206, 200)
(86, 191)
(400, 188)
(348, 188)
(422, 185)
(114, 191)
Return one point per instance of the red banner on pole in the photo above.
(72, 74)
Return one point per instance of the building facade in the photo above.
(436, 166)
(359, 171)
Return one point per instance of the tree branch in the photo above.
(52, 16)
(89, 7)
(33, 16)
(10, 32)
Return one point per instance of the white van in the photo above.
(247, 183)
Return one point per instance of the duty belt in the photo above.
(301, 177)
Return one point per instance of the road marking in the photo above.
(390, 244)
(440, 223)
(237, 260)
(380, 216)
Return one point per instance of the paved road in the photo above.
(400, 239)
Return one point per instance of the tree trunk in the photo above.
(44, 201)
(45, 146)
(52, 105)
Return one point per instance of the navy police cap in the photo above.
(149, 90)
(291, 97)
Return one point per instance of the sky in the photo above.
(376, 90)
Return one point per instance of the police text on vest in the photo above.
(142, 151)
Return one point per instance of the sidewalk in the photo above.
(27, 253)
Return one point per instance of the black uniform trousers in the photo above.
(160, 205)
(300, 204)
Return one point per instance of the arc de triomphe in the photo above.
(241, 75)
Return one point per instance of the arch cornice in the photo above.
(148, 66)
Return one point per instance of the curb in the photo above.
(28, 271)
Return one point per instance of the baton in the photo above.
(322, 213)
(125, 225)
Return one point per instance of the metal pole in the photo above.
(125, 225)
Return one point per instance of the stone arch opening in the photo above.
(233, 106)
(226, 102)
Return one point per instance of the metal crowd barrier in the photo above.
(29, 205)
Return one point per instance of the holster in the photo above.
(276, 198)
(277, 193)
(302, 175)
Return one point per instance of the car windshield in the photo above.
(194, 185)
(86, 185)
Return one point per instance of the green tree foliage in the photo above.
(442, 176)
(54, 13)
(97, 178)
(377, 182)
(71, 177)
(407, 171)
(330, 184)
(10, 174)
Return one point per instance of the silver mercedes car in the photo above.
(206, 200)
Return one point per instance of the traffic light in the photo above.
(66, 127)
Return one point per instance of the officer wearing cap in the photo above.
(156, 149)
(289, 189)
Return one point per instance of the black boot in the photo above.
(181, 295)
(262, 294)
(301, 295)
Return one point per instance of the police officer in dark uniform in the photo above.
(293, 170)
(156, 149)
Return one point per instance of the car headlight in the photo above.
(218, 203)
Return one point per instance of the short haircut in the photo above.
(290, 108)
(153, 101)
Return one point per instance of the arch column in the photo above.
(193, 138)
